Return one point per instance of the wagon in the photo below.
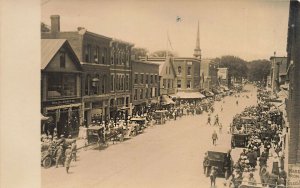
(239, 140)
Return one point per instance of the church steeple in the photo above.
(197, 50)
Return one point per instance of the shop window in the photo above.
(61, 85)
(178, 83)
(62, 60)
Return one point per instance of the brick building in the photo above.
(145, 84)
(120, 76)
(61, 75)
(293, 71)
(93, 51)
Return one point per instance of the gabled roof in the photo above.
(49, 48)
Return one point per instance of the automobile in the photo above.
(239, 140)
(216, 157)
(94, 133)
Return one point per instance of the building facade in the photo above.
(61, 75)
(293, 71)
(93, 51)
(145, 86)
(120, 76)
(278, 72)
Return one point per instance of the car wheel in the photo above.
(47, 162)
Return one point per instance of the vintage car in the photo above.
(239, 140)
(94, 133)
(217, 157)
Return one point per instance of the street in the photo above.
(168, 155)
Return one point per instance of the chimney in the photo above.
(55, 24)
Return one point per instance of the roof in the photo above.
(161, 64)
(49, 49)
(145, 62)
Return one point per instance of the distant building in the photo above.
(145, 85)
(278, 72)
(60, 86)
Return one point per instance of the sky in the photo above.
(249, 29)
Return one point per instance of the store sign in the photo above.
(62, 102)
(293, 176)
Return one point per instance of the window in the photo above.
(142, 78)
(88, 53)
(104, 80)
(155, 92)
(112, 56)
(87, 84)
(96, 55)
(151, 92)
(151, 79)
(189, 70)
(178, 83)
(61, 85)
(62, 60)
(147, 78)
(188, 84)
(155, 79)
(135, 78)
(135, 94)
(103, 56)
(146, 93)
(179, 69)
(126, 82)
(112, 79)
(95, 85)
(169, 83)
(164, 83)
(141, 94)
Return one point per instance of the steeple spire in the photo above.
(197, 50)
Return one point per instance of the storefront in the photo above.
(95, 110)
(65, 116)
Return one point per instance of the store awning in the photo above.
(44, 118)
(190, 95)
(166, 100)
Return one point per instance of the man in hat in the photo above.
(213, 176)
(205, 163)
(214, 137)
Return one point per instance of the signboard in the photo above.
(61, 102)
(293, 176)
(222, 73)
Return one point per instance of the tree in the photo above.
(162, 53)
(44, 27)
(139, 52)
(237, 67)
(258, 70)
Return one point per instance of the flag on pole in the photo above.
(169, 41)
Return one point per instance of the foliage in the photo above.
(162, 53)
(258, 70)
(44, 27)
(139, 52)
(237, 67)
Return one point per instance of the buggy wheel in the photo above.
(47, 162)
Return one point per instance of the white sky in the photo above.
(250, 29)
